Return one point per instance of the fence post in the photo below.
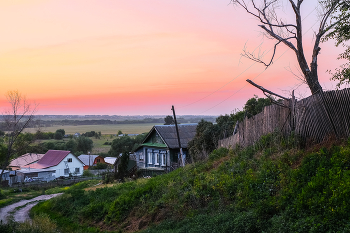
(293, 112)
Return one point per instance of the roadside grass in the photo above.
(269, 187)
(13, 194)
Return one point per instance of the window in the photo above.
(163, 159)
(66, 171)
(77, 170)
(156, 162)
(141, 157)
(149, 158)
(98, 160)
(69, 160)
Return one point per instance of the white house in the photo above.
(63, 162)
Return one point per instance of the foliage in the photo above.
(341, 35)
(87, 173)
(168, 120)
(208, 134)
(99, 166)
(84, 144)
(59, 134)
(71, 145)
(125, 143)
(40, 224)
(44, 135)
(90, 134)
(2, 195)
(123, 166)
(268, 187)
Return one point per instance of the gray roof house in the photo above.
(160, 150)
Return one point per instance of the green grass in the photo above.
(270, 187)
(105, 129)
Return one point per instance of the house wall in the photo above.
(151, 154)
(99, 159)
(71, 166)
(172, 157)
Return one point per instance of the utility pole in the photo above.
(178, 137)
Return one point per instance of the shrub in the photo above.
(2, 195)
(87, 173)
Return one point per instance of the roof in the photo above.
(110, 160)
(50, 159)
(26, 159)
(85, 159)
(169, 136)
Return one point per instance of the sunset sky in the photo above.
(139, 57)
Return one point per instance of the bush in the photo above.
(87, 173)
(2, 195)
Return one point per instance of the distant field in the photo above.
(105, 129)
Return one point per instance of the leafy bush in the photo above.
(87, 173)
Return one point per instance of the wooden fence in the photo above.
(313, 119)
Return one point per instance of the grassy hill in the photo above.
(270, 187)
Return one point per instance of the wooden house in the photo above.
(90, 160)
(160, 149)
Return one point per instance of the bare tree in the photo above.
(16, 119)
(291, 34)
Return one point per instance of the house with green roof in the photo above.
(160, 149)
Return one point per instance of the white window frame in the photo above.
(141, 158)
(156, 159)
(69, 160)
(66, 171)
(163, 159)
(149, 158)
(77, 170)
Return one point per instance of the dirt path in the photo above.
(22, 214)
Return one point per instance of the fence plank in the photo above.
(315, 118)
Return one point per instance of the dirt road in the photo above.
(22, 214)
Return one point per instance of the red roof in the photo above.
(50, 159)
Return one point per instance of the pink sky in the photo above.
(140, 57)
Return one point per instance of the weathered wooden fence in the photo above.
(313, 118)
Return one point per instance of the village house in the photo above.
(63, 162)
(160, 149)
(24, 160)
(90, 160)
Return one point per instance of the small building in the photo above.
(8, 178)
(35, 174)
(110, 160)
(90, 160)
(160, 149)
(77, 135)
(63, 162)
(24, 160)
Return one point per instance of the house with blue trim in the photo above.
(160, 150)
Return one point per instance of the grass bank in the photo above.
(269, 187)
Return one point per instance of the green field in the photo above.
(105, 129)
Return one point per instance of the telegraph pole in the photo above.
(178, 136)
